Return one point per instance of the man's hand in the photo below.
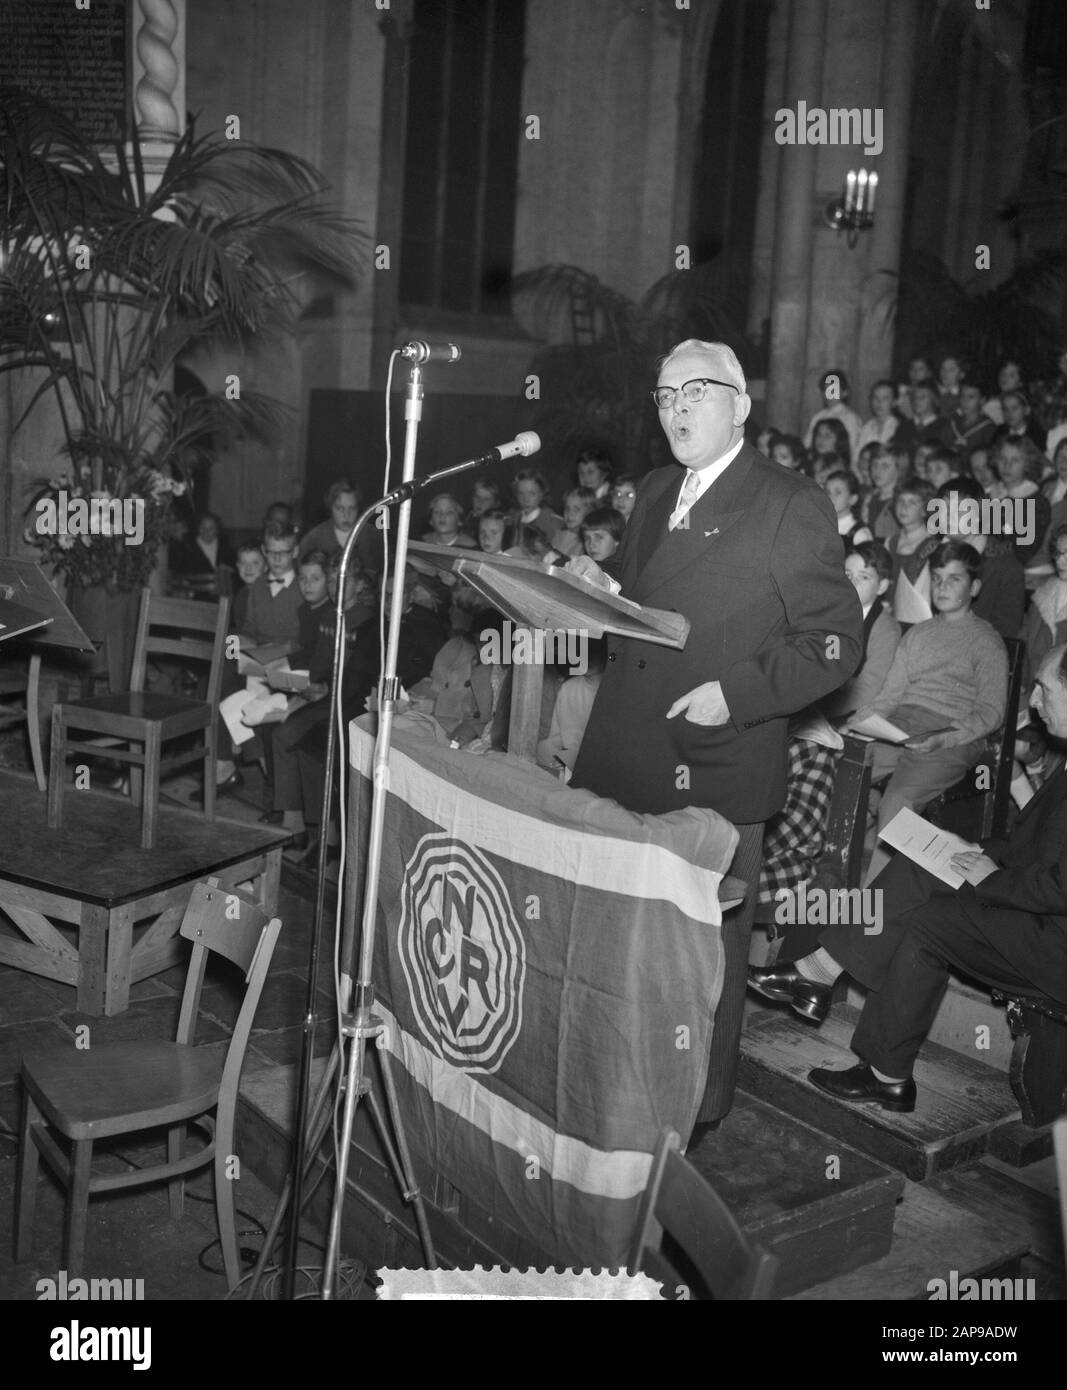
(705, 705)
(973, 865)
(930, 744)
(584, 568)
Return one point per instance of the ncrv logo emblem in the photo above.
(462, 953)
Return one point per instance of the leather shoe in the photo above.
(861, 1084)
(231, 783)
(785, 985)
(298, 845)
(272, 817)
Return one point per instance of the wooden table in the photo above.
(95, 909)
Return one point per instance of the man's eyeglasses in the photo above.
(693, 391)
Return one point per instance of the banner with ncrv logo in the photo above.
(548, 966)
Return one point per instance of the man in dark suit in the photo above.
(749, 552)
(1005, 926)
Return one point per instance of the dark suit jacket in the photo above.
(1032, 881)
(1020, 910)
(758, 573)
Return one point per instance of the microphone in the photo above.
(420, 351)
(523, 445)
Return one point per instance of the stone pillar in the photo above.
(794, 214)
(883, 241)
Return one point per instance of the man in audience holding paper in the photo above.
(945, 692)
(1006, 925)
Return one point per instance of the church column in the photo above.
(883, 241)
(794, 213)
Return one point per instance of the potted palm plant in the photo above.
(108, 277)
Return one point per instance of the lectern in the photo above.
(548, 600)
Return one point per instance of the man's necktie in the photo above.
(276, 586)
(689, 495)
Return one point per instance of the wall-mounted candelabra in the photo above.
(853, 212)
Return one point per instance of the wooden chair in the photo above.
(139, 716)
(24, 680)
(983, 815)
(119, 1088)
(679, 1203)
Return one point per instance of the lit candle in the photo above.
(872, 188)
(850, 191)
(862, 189)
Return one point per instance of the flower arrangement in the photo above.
(93, 536)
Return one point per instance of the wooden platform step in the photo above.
(819, 1217)
(961, 1102)
(950, 1228)
(819, 1205)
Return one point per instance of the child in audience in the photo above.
(941, 466)
(883, 422)
(313, 580)
(820, 466)
(485, 496)
(274, 598)
(624, 494)
(909, 550)
(1021, 464)
(946, 688)
(446, 518)
(1045, 625)
(1003, 593)
(602, 532)
(250, 565)
(577, 504)
(594, 471)
(949, 383)
(1009, 378)
(835, 408)
(788, 451)
(969, 426)
(829, 439)
(841, 489)
(530, 544)
(493, 527)
(270, 629)
(530, 491)
(861, 467)
(983, 472)
(877, 510)
(869, 568)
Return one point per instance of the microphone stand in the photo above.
(359, 1024)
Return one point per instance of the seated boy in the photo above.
(946, 688)
(840, 487)
(869, 568)
(270, 628)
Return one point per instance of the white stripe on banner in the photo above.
(619, 1174)
(605, 862)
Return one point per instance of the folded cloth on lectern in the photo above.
(549, 966)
